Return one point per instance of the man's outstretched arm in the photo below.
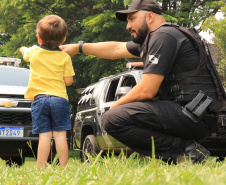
(108, 50)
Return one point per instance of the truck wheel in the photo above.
(15, 161)
(89, 147)
(220, 158)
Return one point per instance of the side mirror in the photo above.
(122, 91)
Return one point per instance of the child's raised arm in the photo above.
(23, 49)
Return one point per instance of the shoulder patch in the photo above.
(154, 59)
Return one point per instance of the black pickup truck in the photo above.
(89, 134)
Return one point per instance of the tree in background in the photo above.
(191, 13)
(218, 27)
(91, 21)
(4, 38)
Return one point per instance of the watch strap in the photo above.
(80, 46)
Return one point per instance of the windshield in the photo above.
(12, 76)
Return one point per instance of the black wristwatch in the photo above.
(80, 46)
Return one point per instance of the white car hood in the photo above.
(12, 90)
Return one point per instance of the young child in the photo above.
(51, 71)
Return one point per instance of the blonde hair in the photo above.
(52, 29)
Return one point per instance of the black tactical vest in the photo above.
(184, 86)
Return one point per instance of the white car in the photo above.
(15, 116)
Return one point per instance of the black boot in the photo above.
(194, 152)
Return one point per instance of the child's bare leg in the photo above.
(61, 146)
(44, 148)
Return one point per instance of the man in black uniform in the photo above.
(154, 107)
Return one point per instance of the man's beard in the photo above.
(141, 34)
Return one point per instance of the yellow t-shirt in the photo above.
(48, 68)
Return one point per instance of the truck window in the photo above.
(129, 81)
(112, 90)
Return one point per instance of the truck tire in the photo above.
(89, 147)
(18, 161)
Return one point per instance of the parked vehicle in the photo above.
(15, 116)
(16, 138)
(89, 134)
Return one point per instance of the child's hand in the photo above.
(23, 49)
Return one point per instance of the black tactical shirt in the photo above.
(167, 47)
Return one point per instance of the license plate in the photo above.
(11, 131)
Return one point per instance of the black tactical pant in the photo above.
(134, 124)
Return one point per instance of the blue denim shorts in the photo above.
(50, 113)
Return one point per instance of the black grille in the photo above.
(15, 118)
(12, 96)
(24, 104)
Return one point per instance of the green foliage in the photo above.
(169, 18)
(190, 13)
(218, 27)
(113, 170)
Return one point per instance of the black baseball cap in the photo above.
(137, 5)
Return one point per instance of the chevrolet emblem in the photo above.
(8, 104)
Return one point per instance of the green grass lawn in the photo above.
(112, 170)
